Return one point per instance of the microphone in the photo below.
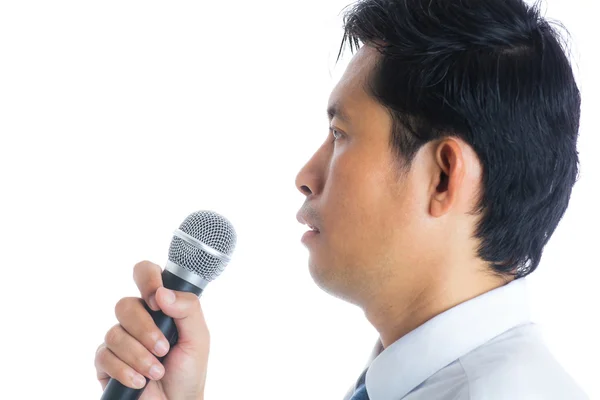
(200, 250)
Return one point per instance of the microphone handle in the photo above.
(115, 390)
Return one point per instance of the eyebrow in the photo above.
(335, 110)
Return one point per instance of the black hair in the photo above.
(495, 74)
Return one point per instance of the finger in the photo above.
(148, 278)
(138, 323)
(133, 353)
(101, 375)
(185, 309)
(110, 366)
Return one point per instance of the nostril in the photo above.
(305, 190)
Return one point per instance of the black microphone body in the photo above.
(115, 390)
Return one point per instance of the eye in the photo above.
(336, 134)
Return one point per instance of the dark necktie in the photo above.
(361, 389)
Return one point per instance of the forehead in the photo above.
(351, 86)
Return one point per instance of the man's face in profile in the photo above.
(369, 215)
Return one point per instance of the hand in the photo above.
(130, 348)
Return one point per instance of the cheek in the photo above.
(409, 241)
(351, 191)
(360, 204)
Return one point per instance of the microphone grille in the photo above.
(211, 229)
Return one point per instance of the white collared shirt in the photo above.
(486, 348)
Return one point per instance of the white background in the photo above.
(119, 118)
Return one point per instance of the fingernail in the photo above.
(139, 381)
(169, 296)
(161, 348)
(156, 372)
(152, 302)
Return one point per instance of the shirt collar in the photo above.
(419, 354)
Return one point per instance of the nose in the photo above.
(310, 179)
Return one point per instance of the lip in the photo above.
(314, 231)
(301, 217)
(308, 236)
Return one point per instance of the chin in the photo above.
(330, 280)
(320, 272)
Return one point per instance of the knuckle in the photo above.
(144, 266)
(144, 363)
(123, 375)
(141, 265)
(147, 276)
(102, 356)
(113, 336)
(150, 337)
(195, 306)
(191, 300)
(124, 305)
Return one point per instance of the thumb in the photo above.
(186, 310)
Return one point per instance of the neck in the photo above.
(401, 307)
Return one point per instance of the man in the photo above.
(450, 160)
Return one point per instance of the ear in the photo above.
(450, 173)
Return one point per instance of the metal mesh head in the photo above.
(212, 230)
